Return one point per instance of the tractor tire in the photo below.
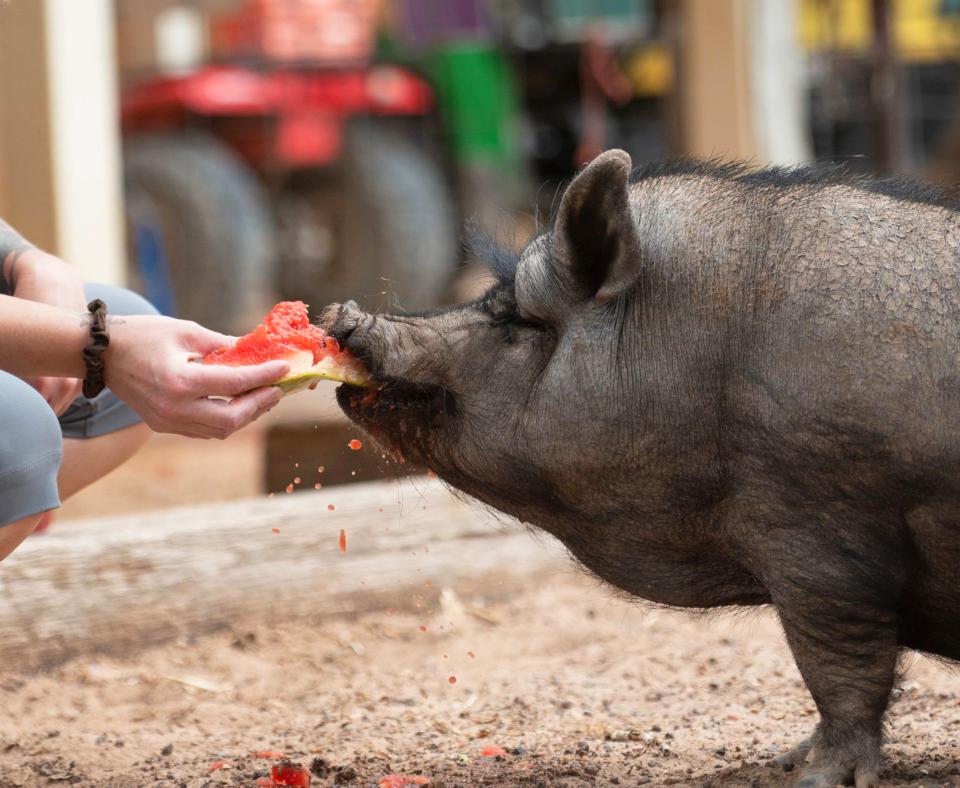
(215, 225)
(395, 235)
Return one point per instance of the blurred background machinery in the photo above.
(324, 149)
(268, 150)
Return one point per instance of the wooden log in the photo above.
(121, 583)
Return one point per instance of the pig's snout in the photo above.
(410, 350)
(341, 321)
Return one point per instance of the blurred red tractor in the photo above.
(290, 164)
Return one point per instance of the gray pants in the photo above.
(31, 435)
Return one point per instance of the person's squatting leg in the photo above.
(31, 448)
(43, 460)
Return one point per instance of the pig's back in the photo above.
(870, 258)
(837, 302)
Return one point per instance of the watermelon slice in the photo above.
(287, 334)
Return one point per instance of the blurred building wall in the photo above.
(60, 181)
(716, 104)
(26, 177)
(779, 83)
(743, 81)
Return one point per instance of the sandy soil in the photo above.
(579, 688)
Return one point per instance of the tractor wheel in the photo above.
(200, 229)
(383, 230)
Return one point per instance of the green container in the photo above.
(478, 100)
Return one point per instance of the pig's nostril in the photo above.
(342, 332)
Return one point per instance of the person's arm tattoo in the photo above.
(12, 246)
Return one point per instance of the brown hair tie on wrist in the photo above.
(94, 382)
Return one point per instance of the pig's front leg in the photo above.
(795, 756)
(839, 616)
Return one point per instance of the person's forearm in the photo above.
(12, 246)
(37, 339)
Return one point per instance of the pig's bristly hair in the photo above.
(817, 175)
(501, 260)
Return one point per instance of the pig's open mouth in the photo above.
(394, 401)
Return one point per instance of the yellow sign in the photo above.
(921, 32)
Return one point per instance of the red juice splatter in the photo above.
(342, 541)
(289, 488)
(275, 530)
(452, 679)
(423, 627)
(331, 507)
(492, 751)
(355, 445)
(471, 655)
(287, 773)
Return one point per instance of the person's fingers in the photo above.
(219, 418)
(251, 406)
(191, 432)
(222, 381)
(201, 340)
(246, 410)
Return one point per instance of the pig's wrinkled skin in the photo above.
(717, 388)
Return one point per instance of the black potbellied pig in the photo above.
(718, 386)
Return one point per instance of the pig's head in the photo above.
(524, 397)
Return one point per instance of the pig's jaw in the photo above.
(399, 415)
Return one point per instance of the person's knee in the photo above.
(28, 425)
(31, 451)
(120, 301)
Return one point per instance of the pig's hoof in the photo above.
(823, 777)
(790, 760)
(825, 773)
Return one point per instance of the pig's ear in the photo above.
(595, 235)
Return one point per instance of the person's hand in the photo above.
(151, 365)
(42, 277)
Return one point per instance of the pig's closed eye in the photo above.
(513, 326)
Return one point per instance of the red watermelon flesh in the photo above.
(287, 333)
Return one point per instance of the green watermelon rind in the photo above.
(351, 373)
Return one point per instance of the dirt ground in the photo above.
(576, 686)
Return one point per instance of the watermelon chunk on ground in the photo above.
(288, 335)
